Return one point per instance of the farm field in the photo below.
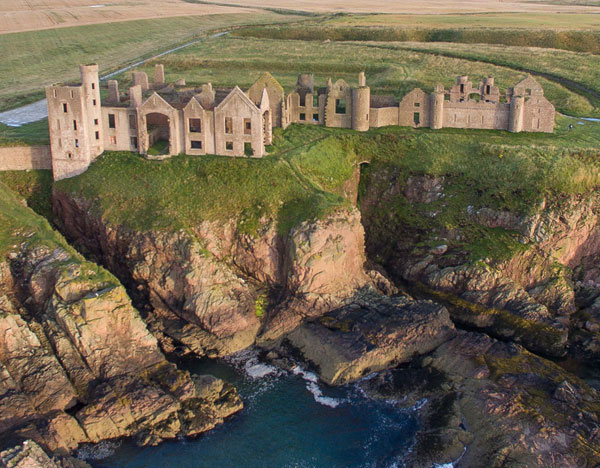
(23, 15)
(229, 61)
(32, 60)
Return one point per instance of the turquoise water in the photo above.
(283, 425)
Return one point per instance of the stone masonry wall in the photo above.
(21, 158)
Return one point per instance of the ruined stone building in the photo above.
(158, 119)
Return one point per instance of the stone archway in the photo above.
(158, 134)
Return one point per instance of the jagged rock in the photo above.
(371, 334)
(495, 399)
(30, 455)
(204, 288)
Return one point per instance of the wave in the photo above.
(313, 387)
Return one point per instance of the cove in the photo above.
(289, 420)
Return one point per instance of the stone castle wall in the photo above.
(23, 158)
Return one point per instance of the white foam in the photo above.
(319, 398)
(98, 451)
(257, 371)
(306, 375)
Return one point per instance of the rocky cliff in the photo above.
(77, 362)
(214, 289)
(512, 274)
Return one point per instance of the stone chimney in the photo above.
(113, 92)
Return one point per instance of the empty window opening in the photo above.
(302, 116)
(228, 125)
(417, 104)
(315, 100)
(96, 122)
(340, 106)
(74, 124)
(97, 135)
(93, 85)
(54, 92)
(196, 144)
(65, 107)
(132, 121)
(134, 142)
(462, 88)
(111, 121)
(315, 117)
(417, 118)
(248, 151)
(488, 89)
(113, 140)
(76, 143)
(94, 102)
(367, 117)
(195, 125)
(70, 155)
(302, 100)
(247, 127)
(229, 145)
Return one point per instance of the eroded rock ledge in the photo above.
(78, 365)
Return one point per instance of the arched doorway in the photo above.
(158, 134)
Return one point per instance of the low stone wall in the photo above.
(21, 158)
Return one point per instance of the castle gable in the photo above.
(266, 81)
(527, 87)
(193, 106)
(236, 98)
(155, 103)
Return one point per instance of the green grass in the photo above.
(35, 133)
(230, 61)
(31, 60)
(159, 147)
(34, 186)
(526, 31)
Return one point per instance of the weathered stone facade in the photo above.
(159, 119)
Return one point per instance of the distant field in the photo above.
(421, 6)
(228, 61)
(31, 60)
(25, 15)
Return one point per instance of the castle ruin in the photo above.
(158, 119)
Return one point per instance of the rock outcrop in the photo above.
(506, 273)
(207, 288)
(30, 455)
(489, 404)
(77, 362)
(370, 334)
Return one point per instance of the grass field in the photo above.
(35, 133)
(31, 60)
(228, 61)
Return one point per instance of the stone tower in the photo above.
(515, 117)
(361, 102)
(437, 108)
(74, 120)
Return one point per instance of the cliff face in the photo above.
(77, 362)
(208, 288)
(513, 275)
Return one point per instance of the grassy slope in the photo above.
(31, 60)
(304, 175)
(35, 187)
(35, 133)
(228, 61)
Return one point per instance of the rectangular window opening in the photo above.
(74, 124)
(132, 121)
(97, 135)
(111, 121)
(229, 145)
(487, 89)
(315, 100)
(195, 125)
(113, 140)
(70, 155)
(93, 85)
(228, 125)
(248, 151)
(417, 118)
(462, 88)
(65, 107)
(302, 116)
(196, 144)
(303, 100)
(340, 106)
(95, 121)
(315, 117)
(54, 92)
(94, 102)
(76, 143)
(417, 104)
(247, 127)
(134, 142)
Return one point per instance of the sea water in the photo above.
(290, 420)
